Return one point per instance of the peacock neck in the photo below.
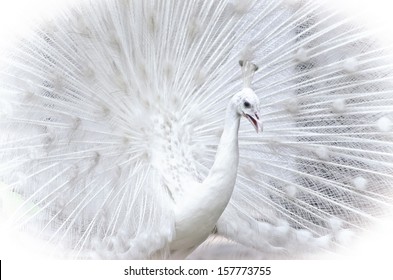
(198, 213)
(222, 175)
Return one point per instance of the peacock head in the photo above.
(248, 101)
(248, 107)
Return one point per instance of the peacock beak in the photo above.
(255, 121)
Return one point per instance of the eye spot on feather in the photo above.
(79, 24)
(200, 77)
(249, 169)
(73, 172)
(240, 7)
(339, 106)
(248, 53)
(35, 153)
(152, 22)
(95, 158)
(194, 28)
(102, 112)
(290, 191)
(322, 152)
(360, 183)
(6, 110)
(384, 124)
(22, 178)
(292, 105)
(88, 71)
(49, 140)
(351, 65)
(293, 4)
(282, 229)
(323, 241)
(303, 236)
(169, 71)
(302, 55)
(335, 224)
(345, 237)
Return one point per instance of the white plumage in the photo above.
(123, 133)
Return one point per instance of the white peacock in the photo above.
(122, 130)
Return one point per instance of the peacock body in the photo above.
(123, 130)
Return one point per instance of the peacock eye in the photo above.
(247, 104)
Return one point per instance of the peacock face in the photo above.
(249, 108)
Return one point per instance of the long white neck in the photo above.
(222, 175)
(200, 210)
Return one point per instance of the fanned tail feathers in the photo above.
(109, 110)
